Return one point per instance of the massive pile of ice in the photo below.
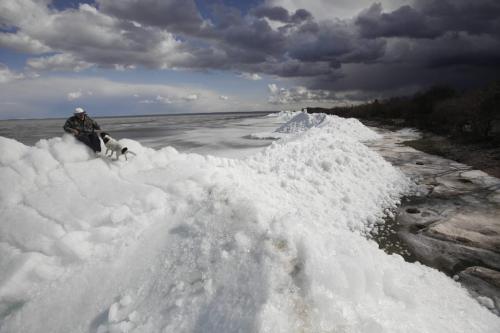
(292, 122)
(284, 115)
(301, 122)
(298, 122)
(183, 242)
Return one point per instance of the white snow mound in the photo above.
(171, 242)
(284, 115)
(301, 121)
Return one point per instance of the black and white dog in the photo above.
(114, 146)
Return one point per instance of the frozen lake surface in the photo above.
(215, 134)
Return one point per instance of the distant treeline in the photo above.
(468, 116)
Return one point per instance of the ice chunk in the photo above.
(301, 122)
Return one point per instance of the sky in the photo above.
(135, 57)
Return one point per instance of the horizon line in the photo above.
(149, 115)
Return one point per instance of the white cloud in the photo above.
(22, 43)
(223, 97)
(251, 76)
(6, 75)
(74, 95)
(38, 97)
(164, 100)
(297, 95)
(61, 61)
(157, 100)
(191, 97)
(85, 37)
(273, 88)
(332, 9)
(121, 68)
(15, 13)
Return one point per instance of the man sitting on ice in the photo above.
(83, 128)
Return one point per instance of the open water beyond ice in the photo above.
(172, 241)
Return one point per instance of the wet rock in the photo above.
(482, 281)
(472, 228)
(412, 210)
(488, 275)
(456, 227)
(449, 185)
(449, 257)
(494, 197)
(431, 210)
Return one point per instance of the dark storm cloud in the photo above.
(455, 42)
(467, 59)
(281, 14)
(404, 21)
(431, 19)
(294, 68)
(410, 46)
(457, 49)
(174, 15)
(336, 43)
(139, 33)
(253, 35)
(301, 15)
(272, 13)
(242, 40)
(299, 48)
(475, 17)
(385, 80)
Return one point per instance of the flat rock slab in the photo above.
(452, 220)
(488, 275)
(448, 256)
(470, 228)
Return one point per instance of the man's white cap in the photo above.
(79, 111)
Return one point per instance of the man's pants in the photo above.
(91, 140)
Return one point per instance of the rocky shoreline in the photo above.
(452, 221)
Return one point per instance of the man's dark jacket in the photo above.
(87, 125)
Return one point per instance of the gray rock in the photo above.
(449, 257)
(482, 281)
(412, 210)
(452, 220)
(474, 228)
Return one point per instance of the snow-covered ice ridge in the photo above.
(172, 242)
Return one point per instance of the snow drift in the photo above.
(190, 243)
(285, 115)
